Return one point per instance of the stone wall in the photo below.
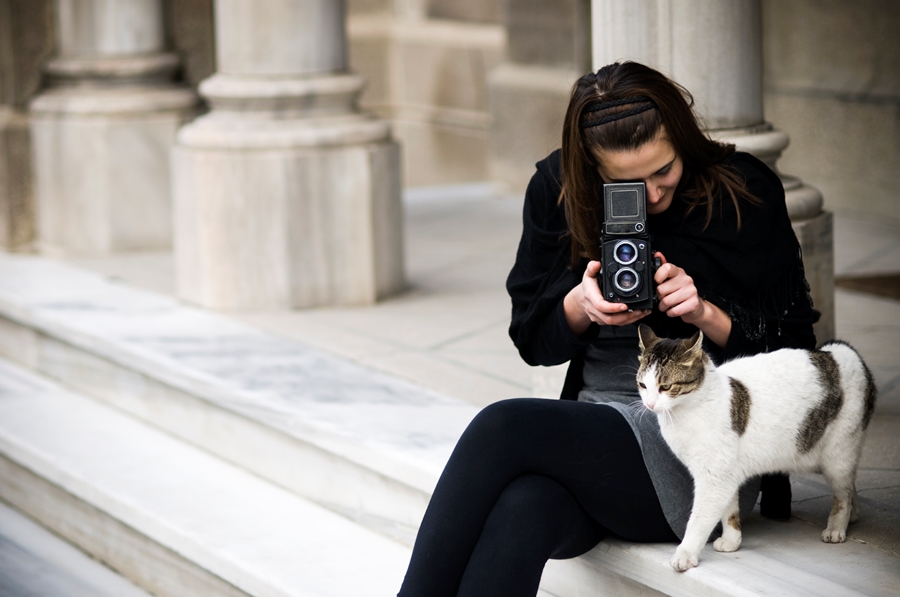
(427, 64)
(548, 49)
(190, 34)
(832, 82)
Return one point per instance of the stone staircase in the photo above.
(197, 455)
(171, 517)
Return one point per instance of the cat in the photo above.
(791, 410)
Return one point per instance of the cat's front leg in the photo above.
(731, 528)
(710, 501)
(841, 510)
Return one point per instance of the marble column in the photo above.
(714, 49)
(286, 195)
(102, 130)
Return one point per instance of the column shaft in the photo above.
(93, 28)
(713, 48)
(280, 37)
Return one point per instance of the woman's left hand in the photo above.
(678, 297)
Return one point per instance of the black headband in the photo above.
(646, 104)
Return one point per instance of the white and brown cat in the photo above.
(790, 410)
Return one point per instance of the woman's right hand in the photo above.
(585, 304)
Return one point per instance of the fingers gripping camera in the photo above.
(628, 265)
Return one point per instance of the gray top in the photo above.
(610, 367)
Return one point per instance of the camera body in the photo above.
(628, 263)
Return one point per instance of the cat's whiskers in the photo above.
(672, 416)
(639, 409)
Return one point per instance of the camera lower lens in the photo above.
(625, 252)
(627, 281)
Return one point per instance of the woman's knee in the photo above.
(499, 421)
(512, 417)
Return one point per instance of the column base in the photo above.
(287, 228)
(816, 236)
(102, 167)
(286, 197)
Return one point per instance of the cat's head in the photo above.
(670, 370)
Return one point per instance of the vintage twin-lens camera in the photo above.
(628, 262)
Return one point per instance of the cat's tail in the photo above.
(849, 358)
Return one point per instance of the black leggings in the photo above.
(529, 480)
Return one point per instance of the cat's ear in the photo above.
(694, 344)
(646, 337)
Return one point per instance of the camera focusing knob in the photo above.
(657, 263)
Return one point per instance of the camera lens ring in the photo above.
(625, 252)
(627, 281)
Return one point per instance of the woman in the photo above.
(536, 479)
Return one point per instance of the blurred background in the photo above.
(253, 255)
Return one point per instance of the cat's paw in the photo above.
(723, 544)
(834, 535)
(682, 560)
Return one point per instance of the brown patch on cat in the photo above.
(871, 392)
(836, 506)
(871, 395)
(818, 418)
(734, 521)
(740, 406)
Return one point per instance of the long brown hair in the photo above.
(659, 104)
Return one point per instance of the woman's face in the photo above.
(654, 163)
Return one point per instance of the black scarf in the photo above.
(754, 274)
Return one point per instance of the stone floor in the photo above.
(447, 332)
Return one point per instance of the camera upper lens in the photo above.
(627, 281)
(625, 252)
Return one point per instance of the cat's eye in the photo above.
(641, 385)
(665, 387)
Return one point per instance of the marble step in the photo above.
(362, 443)
(34, 561)
(169, 516)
